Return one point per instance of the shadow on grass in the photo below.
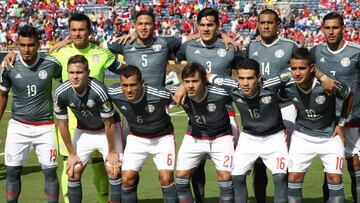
(250, 200)
(26, 170)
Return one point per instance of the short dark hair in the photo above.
(334, 15)
(191, 69)
(208, 12)
(28, 31)
(145, 12)
(249, 64)
(270, 12)
(302, 54)
(80, 17)
(131, 70)
(79, 59)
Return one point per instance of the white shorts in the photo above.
(304, 148)
(22, 137)
(271, 149)
(192, 151)
(85, 142)
(234, 127)
(352, 144)
(139, 148)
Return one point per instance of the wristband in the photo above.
(342, 121)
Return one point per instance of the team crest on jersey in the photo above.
(107, 106)
(211, 107)
(345, 62)
(221, 52)
(43, 74)
(320, 99)
(150, 108)
(96, 58)
(219, 81)
(156, 47)
(279, 53)
(90, 103)
(266, 99)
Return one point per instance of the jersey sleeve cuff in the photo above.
(5, 89)
(62, 117)
(107, 115)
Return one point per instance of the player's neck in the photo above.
(80, 90)
(336, 46)
(32, 61)
(209, 42)
(145, 42)
(269, 40)
(306, 85)
(82, 46)
(200, 96)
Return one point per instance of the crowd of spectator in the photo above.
(238, 18)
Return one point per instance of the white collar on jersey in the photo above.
(207, 46)
(32, 65)
(309, 90)
(202, 99)
(142, 96)
(337, 51)
(269, 45)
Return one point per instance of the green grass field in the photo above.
(149, 189)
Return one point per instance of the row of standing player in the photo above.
(267, 35)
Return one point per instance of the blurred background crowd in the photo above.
(301, 19)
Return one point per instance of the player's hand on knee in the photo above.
(9, 60)
(113, 163)
(73, 162)
(339, 131)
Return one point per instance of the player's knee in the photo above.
(50, 174)
(129, 179)
(355, 162)
(13, 172)
(166, 178)
(333, 178)
(296, 177)
(78, 169)
(224, 175)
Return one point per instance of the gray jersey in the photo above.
(342, 65)
(150, 59)
(215, 58)
(89, 108)
(208, 118)
(32, 87)
(260, 114)
(315, 109)
(146, 117)
(273, 58)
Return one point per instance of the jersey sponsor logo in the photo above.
(295, 100)
(266, 99)
(345, 62)
(18, 76)
(320, 99)
(279, 53)
(90, 103)
(156, 47)
(43, 74)
(123, 107)
(255, 53)
(197, 51)
(322, 60)
(239, 100)
(96, 58)
(107, 107)
(150, 108)
(132, 49)
(211, 107)
(221, 52)
(219, 81)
